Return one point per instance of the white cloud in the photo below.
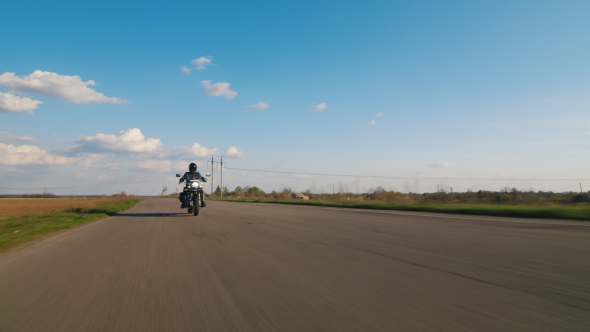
(112, 166)
(233, 152)
(201, 151)
(15, 104)
(202, 62)
(218, 89)
(6, 136)
(259, 106)
(85, 176)
(156, 165)
(182, 165)
(163, 166)
(131, 140)
(88, 160)
(33, 155)
(319, 107)
(185, 70)
(440, 165)
(70, 88)
(374, 122)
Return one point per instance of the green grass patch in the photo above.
(18, 229)
(554, 211)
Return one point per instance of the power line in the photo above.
(402, 177)
(161, 176)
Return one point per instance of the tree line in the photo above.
(503, 195)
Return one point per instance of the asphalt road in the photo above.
(264, 267)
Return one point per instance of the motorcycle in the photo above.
(193, 194)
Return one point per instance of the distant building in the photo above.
(298, 195)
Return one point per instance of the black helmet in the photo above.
(192, 167)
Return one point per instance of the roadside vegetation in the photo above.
(16, 229)
(507, 202)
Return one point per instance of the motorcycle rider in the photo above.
(192, 174)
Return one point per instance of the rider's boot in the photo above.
(203, 204)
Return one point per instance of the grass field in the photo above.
(18, 224)
(19, 206)
(553, 211)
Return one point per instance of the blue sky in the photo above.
(416, 91)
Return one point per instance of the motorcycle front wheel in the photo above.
(196, 202)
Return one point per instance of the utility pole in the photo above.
(212, 164)
(581, 192)
(437, 192)
(212, 167)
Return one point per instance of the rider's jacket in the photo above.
(192, 176)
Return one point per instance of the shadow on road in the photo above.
(153, 214)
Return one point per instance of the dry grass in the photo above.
(49, 215)
(20, 206)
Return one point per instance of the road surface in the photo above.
(266, 267)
